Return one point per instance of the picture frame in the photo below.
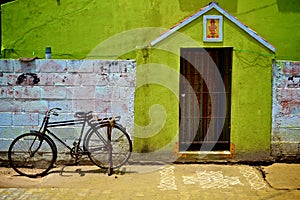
(212, 28)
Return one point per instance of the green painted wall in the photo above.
(251, 85)
(74, 28)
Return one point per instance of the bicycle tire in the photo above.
(24, 163)
(99, 152)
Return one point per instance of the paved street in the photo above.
(177, 181)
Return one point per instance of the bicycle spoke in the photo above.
(31, 156)
(120, 145)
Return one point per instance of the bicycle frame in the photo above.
(95, 135)
(66, 123)
(81, 121)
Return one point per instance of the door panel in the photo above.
(200, 129)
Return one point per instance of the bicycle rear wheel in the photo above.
(100, 148)
(32, 154)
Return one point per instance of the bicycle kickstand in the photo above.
(110, 164)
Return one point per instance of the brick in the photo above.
(126, 80)
(46, 79)
(6, 92)
(25, 119)
(114, 67)
(5, 119)
(36, 106)
(5, 143)
(7, 65)
(289, 134)
(127, 67)
(55, 66)
(119, 107)
(92, 105)
(288, 94)
(113, 79)
(91, 79)
(22, 105)
(126, 92)
(7, 105)
(81, 92)
(66, 79)
(290, 148)
(103, 107)
(102, 79)
(65, 105)
(27, 92)
(291, 121)
(8, 79)
(107, 93)
(80, 65)
(84, 105)
(102, 67)
(26, 67)
(11, 132)
(48, 92)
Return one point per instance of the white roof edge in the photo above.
(185, 22)
(245, 28)
(222, 11)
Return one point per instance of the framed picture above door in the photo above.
(212, 28)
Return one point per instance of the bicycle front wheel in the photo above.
(107, 153)
(32, 154)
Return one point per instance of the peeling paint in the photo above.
(73, 85)
(286, 109)
(28, 79)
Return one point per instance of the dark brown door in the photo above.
(205, 101)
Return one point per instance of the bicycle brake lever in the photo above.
(55, 114)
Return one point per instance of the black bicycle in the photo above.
(106, 143)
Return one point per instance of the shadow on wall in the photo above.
(288, 6)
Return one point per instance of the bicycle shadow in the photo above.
(64, 172)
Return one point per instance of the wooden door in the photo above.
(200, 129)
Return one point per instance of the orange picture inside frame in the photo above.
(212, 28)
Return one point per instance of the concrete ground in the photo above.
(173, 181)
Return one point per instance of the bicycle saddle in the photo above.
(83, 114)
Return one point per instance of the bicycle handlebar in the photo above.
(53, 111)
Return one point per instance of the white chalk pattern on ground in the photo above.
(212, 179)
(254, 180)
(167, 179)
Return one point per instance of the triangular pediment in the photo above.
(204, 10)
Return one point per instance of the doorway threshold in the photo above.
(204, 156)
(206, 152)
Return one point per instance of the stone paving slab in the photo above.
(193, 181)
(283, 176)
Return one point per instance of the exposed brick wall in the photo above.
(286, 109)
(105, 87)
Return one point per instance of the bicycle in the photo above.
(106, 143)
